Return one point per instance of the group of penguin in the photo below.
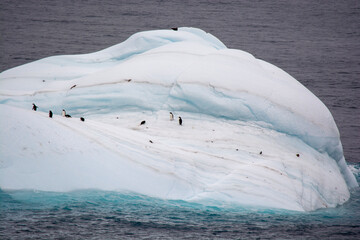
(142, 122)
(171, 119)
(62, 114)
(298, 155)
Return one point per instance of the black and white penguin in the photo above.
(180, 121)
(34, 107)
(142, 122)
(64, 114)
(82, 119)
(171, 116)
(174, 28)
(50, 114)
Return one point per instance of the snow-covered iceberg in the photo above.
(251, 133)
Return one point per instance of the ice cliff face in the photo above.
(235, 106)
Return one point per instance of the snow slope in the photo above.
(234, 106)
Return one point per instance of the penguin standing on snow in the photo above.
(64, 114)
(34, 107)
(171, 116)
(50, 114)
(180, 121)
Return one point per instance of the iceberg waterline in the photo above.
(233, 106)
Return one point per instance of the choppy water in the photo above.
(317, 42)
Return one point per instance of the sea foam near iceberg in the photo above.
(234, 106)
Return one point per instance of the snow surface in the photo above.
(233, 105)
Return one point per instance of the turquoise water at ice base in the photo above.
(93, 214)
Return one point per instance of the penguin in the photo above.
(82, 119)
(50, 114)
(171, 116)
(180, 121)
(260, 152)
(174, 28)
(34, 107)
(298, 155)
(73, 86)
(142, 122)
(64, 114)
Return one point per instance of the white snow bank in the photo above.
(205, 159)
(189, 72)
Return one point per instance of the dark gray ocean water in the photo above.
(317, 42)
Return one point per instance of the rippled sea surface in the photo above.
(317, 42)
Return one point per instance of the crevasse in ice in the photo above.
(234, 106)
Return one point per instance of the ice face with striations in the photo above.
(251, 134)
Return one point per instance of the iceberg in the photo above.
(251, 135)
